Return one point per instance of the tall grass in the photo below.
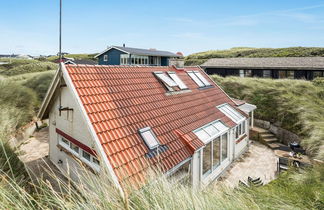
(35, 66)
(295, 105)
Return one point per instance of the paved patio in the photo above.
(259, 161)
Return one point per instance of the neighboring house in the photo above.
(116, 55)
(277, 68)
(80, 61)
(128, 119)
(17, 56)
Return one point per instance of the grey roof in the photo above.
(138, 51)
(296, 63)
(84, 61)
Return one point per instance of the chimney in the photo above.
(177, 62)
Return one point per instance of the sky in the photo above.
(89, 26)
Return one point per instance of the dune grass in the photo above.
(75, 56)
(295, 105)
(35, 66)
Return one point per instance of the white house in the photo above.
(127, 119)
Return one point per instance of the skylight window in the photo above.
(231, 113)
(149, 138)
(200, 80)
(177, 80)
(171, 81)
(210, 131)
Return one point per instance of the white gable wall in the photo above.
(73, 125)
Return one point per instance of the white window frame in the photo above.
(213, 169)
(177, 80)
(231, 113)
(147, 142)
(90, 163)
(199, 79)
(105, 58)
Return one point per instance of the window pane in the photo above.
(224, 147)
(202, 135)
(149, 139)
(282, 74)
(207, 164)
(216, 152)
(165, 79)
(317, 74)
(211, 130)
(202, 78)
(95, 161)
(74, 147)
(196, 79)
(236, 132)
(64, 141)
(85, 155)
(266, 73)
(290, 74)
(183, 174)
(243, 128)
(177, 80)
(248, 73)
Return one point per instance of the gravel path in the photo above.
(259, 161)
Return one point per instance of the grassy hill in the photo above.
(201, 57)
(295, 105)
(75, 56)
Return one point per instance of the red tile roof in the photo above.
(120, 100)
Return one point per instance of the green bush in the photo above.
(319, 81)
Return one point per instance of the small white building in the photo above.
(127, 119)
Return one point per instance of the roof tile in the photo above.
(121, 100)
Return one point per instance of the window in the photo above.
(183, 173)
(216, 152)
(231, 113)
(171, 82)
(124, 59)
(267, 73)
(224, 146)
(290, 74)
(149, 137)
(210, 131)
(241, 73)
(247, 73)
(105, 58)
(177, 80)
(282, 74)
(64, 141)
(78, 152)
(74, 147)
(95, 161)
(86, 155)
(207, 159)
(240, 130)
(317, 74)
(199, 79)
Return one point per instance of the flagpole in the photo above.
(60, 33)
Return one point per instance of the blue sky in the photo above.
(89, 26)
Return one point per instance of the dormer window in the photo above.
(199, 79)
(171, 81)
(149, 138)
